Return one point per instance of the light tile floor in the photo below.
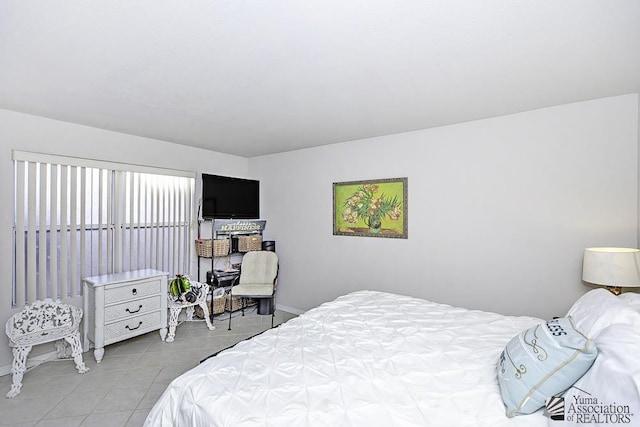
(121, 390)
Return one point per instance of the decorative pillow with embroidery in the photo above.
(541, 362)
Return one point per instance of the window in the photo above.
(77, 218)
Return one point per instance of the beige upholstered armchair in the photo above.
(257, 279)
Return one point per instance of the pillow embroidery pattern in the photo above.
(531, 341)
(541, 362)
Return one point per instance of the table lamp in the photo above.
(613, 268)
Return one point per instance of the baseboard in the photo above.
(32, 362)
(289, 309)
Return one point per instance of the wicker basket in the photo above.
(221, 247)
(204, 248)
(249, 243)
(219, 305)
(236, 303)
(197, 311)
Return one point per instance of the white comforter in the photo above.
(366, 359)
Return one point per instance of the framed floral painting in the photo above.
(372, 208)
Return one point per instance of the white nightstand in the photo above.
(123, 305)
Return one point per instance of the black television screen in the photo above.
(227, 197)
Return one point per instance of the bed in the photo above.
(367, 358)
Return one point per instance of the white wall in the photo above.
(499, 209)
(638, 135)
(30, 133)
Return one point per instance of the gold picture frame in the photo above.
(371, 208)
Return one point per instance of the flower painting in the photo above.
(374, 208)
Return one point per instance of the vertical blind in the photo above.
(77, 218)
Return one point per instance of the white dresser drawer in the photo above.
(130, 308)
(137, 289)
(132, 326)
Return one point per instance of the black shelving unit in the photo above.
(227, 229)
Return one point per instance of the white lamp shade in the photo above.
(611, 266)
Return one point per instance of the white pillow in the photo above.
(599, 308)
(632, 300)
(614, 379)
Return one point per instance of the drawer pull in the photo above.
(134, 291)
(139, 308)
(133, 329)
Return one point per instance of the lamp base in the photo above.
(616, 290)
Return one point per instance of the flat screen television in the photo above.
(228, 197)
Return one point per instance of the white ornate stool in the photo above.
(175, 307)
(39, 323)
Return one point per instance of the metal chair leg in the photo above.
(230, 310)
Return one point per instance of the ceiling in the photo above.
(254, 77)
